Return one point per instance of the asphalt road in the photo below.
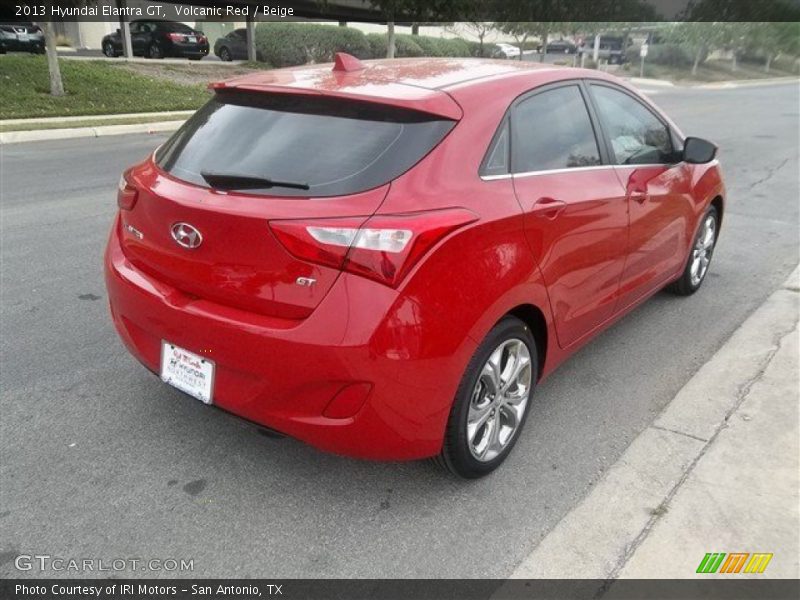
(100, 459)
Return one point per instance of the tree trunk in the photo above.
(125, 31)
(696, 63)
(252, 56)
(734, 66)
(768, 63)
(480, 44)
(521, 45)
(56, 85)
(390, 39)
(543, 54)
(415, 29)
(342, 23)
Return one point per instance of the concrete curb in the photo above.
(599, 536)
(654, 82)
(736, 83)
(168, 115)
(38, 135)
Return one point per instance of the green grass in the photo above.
(87, 123)
(92, 88)
(709, 72)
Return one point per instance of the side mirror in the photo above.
(698, 151)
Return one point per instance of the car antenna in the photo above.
(347, 63)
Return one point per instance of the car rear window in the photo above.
(333, 147)
(175, 27)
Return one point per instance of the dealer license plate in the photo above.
(187, 371)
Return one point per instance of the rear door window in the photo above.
(552, 130)
(333, 147)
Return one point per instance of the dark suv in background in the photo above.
(612, 49)
(21, 37)
(157, 39)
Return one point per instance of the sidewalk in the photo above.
(717, 472)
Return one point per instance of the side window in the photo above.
(552, 130)
(497, 158)
(637, 135)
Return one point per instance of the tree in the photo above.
(480, 29)
(773, 39)
(53, 67)
(416, 11)
(56, 83)
(733, 36)
(699, 38)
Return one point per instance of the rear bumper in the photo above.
(188, 50)
(34, 45)
(283, 374)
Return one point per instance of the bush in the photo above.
(673, 55)
(489, 50)
(430, 45)
(454, 47)
(404, 45)
(290, 44)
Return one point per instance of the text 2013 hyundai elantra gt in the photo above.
(383, 259)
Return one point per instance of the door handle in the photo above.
(549, 208)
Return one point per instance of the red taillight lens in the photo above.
(126, 194)
(202, 39)
(176, 37)
(383, 247)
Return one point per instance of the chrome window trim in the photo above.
(572, 170)
(546, 172)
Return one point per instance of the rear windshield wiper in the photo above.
(231, 181)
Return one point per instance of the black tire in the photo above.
(109, 51)
(688, 283)
(456, 455)
(154, 51)
(225, 54)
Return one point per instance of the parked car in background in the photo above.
(612, 49)
(383, 259)
(21, 37)
(158, 39)
(508, 50)
(559, 47)
(232, 46)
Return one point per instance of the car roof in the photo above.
(416, 83)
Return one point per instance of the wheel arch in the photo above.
(718, 203)
(534, 318)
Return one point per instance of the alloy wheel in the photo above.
(703, 248)
(499, 398)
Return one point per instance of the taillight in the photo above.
(126, 194)
(202, 39)
(382, 247)
(176, 37)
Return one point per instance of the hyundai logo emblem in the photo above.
(186, 235)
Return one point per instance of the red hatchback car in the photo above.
(383, 259)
